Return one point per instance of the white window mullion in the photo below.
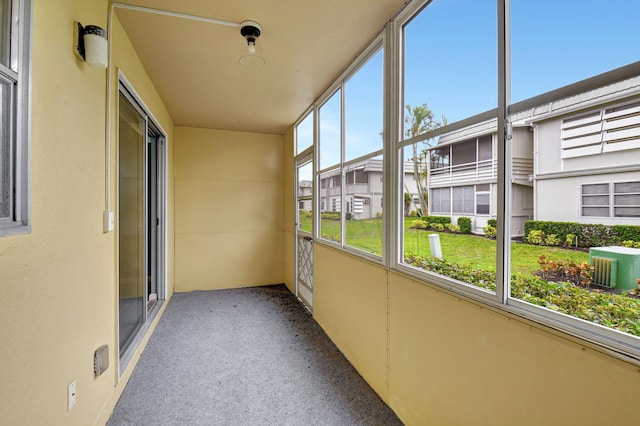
(503, 237)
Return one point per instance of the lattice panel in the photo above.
(305, 262)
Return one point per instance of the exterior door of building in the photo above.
(304, 228)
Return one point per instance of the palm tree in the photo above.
(419, 120)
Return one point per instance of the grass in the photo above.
(472, 250)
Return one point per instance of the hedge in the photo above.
(610, 310)
(443, 220)
(589, 235)
(465, 224)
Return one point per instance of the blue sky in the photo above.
(450, 64)
(451, 49)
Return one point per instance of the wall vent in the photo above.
(101, 360)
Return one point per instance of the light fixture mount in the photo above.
(250, 30)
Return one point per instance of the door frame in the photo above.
(305, 294)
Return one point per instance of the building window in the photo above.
(362, 176)
(595, 200)
(14, 110)
(462, 197)
(440, 200)
(626, 199)
(598, 202)
(483, 199)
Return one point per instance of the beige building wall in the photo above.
(59, 288)
(229, 209)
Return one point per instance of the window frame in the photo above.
(19, 72)
(401, 143)
(610, 341)
(611, 195)
(378, 44)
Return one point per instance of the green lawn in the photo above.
(476, 251)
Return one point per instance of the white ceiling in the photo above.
(195, 65)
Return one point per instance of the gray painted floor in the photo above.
(249, 356)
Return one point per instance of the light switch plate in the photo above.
(108, 221)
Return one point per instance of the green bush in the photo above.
(551, 240)
(631, 244)
(535, 237)
(348, 216)
(569, 240)
(419, 224)
(452, 228)
(437, 226)
(627, 232)
(413, 213)
(443, 220)
(490, 231)
(465, 224)
(589, 235)
(493, 222)
(330, 215)
(610, 310)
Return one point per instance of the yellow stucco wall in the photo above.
(350, 304)
(229, 209)
(59, 290)
(454, 362)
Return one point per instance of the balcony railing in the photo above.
(468, 172)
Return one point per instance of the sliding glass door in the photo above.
(140, 220)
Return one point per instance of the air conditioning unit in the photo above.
(615, 267)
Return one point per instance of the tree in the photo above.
(419, 120)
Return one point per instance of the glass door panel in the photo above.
(132, 132)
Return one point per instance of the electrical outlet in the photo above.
(71, 395)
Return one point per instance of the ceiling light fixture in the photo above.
(251, 31)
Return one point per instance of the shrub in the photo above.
(490, 231)
(348, 216)
(589, 235)
(631, 244)
(330, 215)
(569, 240)
(378, 215)
(565, 270)
(465, 224)
(492, 222)
(437, 219)
(627, 232)
(535, 237)
(540, 238)
(419, 224)
(610, 310)
(551, 240)
(452, 228)
(437, 226)
(413, 213)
